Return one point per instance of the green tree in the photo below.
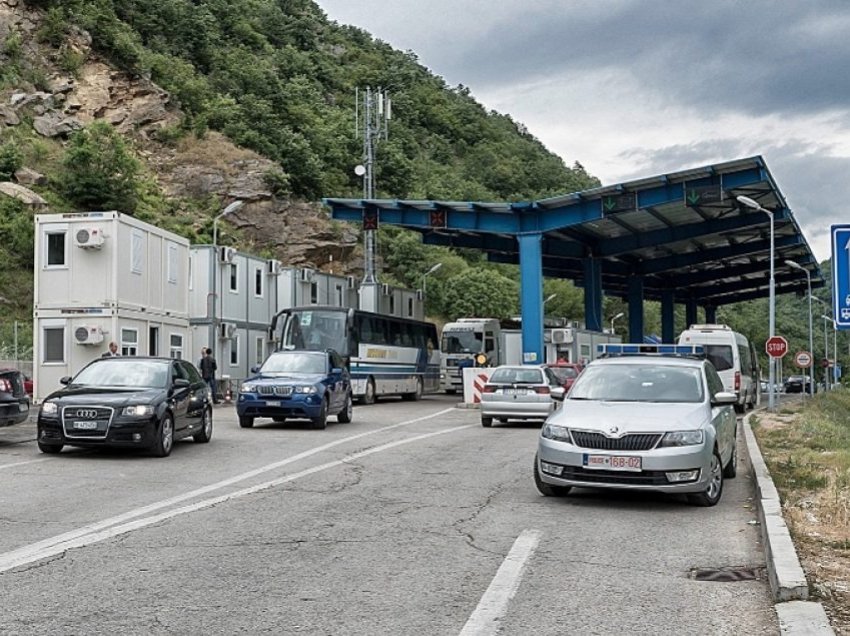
(10, 160)
(99, 171)
(481, 293)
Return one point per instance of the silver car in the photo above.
(521, 392)
(646, 422)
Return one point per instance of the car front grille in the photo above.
(643, 478)
(100, 415)
(269, 389)
(630, 442)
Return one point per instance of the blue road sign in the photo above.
(841, 275)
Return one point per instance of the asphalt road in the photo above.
(398, 523)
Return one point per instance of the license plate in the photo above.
(22, 407)
(612, 462)
(514, 391)
(272, 402)
(85, 425)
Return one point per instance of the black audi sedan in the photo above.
(130, 402)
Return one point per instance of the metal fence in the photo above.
(16, 345)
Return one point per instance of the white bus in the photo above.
(386, 355)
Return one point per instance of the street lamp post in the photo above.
(826, 382)
(433, 269)
(230, 209)
(548, 298)
(795, 265)
(755, 205)
(620, 315)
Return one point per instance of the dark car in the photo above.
(129, 402)
(14, 401)
(566, 372)
(797, 384)
(297, 384)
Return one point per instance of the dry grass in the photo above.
(807, 448)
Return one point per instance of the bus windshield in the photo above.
(316, 330)
(461, 342)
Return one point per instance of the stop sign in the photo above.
(776, 346)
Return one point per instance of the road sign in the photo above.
(825, 363)
(841, 276)
(703, 195)
(803, 359)
(776, 347)
(619, 202)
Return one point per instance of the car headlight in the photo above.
(683, 438)
(138, 410)
(558, 433)
(49, 408)
(247, 388)
(306, 389)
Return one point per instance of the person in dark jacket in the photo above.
(208, 368)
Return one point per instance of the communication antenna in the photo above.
(373, 119)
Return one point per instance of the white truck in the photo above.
(467, 339)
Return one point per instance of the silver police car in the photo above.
(643, 418)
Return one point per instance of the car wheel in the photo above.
(711, 495)
(164, 437)
(417, 394)
(322, 420)
(487, 422)
(246, 421)
(548, 490)
(347, 412)
(50, 449)
(369, 396)
(731, 469)
(205, 435)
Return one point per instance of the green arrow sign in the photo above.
(703, 195)
(619, 202)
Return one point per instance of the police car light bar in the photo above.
(608, 350)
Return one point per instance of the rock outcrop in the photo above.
(19, 192)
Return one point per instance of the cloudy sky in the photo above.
(633, 88)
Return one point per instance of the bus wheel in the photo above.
(417, 394)
(369, 396)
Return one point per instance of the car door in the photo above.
(335, 384)
(722, 416)
(198, 395)
(179, 396)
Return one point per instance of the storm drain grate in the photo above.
(727, 575)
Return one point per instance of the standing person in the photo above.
(113, 351)
(208, 369)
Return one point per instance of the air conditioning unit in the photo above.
(305, 274)
(352, 283)
(386, 289)
(90, 238)
(273, 267)
(226, 330)
(562, 336)
(226, 254)
(88, 335)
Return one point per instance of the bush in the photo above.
(10, 161)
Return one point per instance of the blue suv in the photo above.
(297, 384)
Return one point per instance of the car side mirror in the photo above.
(723, 397)
(255, 369)
(558, 393)
(181, 383)
(66, 380)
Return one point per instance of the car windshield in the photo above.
(517, 376)
(720, 356)
(112, 372)
(461, 342)
(564, 373)
(639, 383)
(295, 362)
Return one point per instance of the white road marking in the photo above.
(29, 461)
(493, 605)
(108, 528)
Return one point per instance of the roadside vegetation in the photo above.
(807, 449)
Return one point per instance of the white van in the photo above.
(734, 358)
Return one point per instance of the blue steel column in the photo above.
(691, 313)
(636, 309)
(531, 296)
(592, 294)
(710, 314)
(668, 316)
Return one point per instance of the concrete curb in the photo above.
(787, 578)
